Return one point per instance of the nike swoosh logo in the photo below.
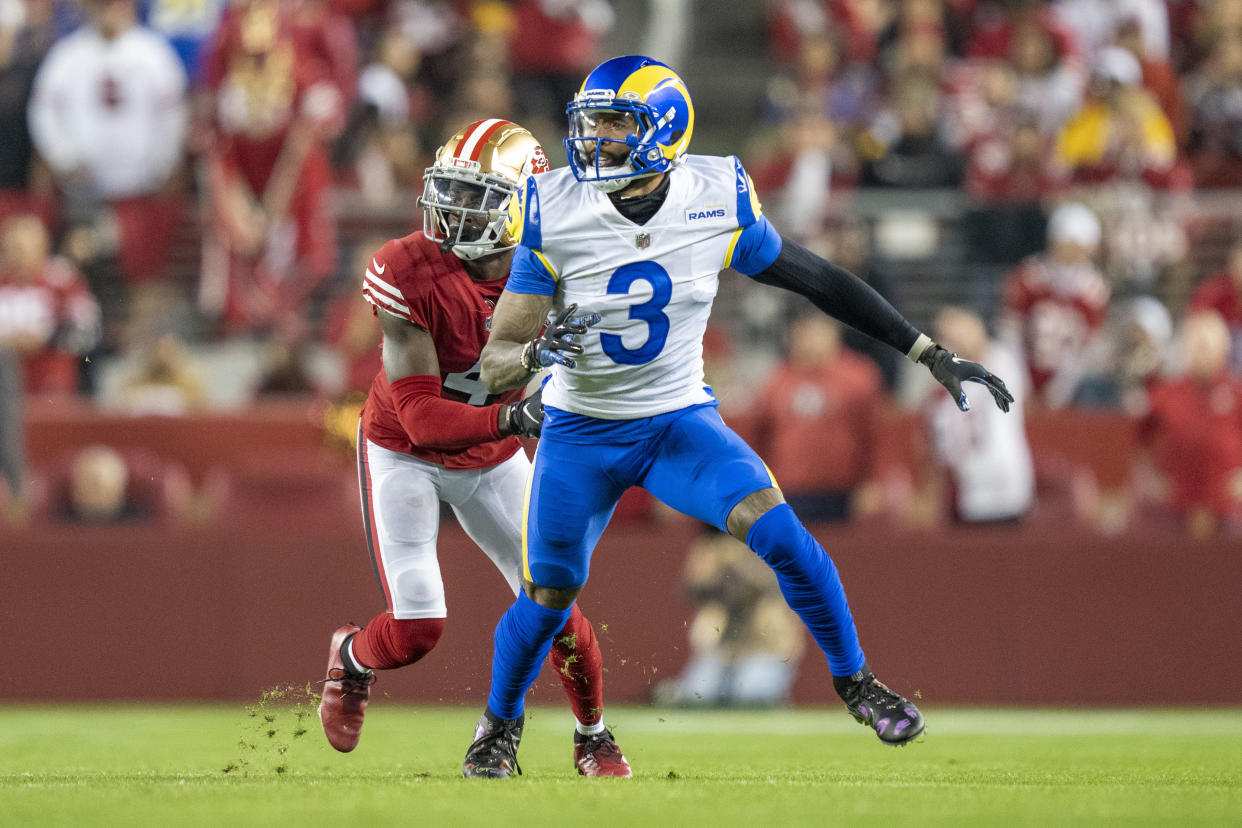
(379, 268)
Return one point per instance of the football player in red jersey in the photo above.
(431, 432)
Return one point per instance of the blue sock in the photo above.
(810, 584)
(523, 639)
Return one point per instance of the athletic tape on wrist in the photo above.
(920, 345)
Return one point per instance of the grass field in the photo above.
(173, 766)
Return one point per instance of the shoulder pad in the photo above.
(400, 275)
(748, 207)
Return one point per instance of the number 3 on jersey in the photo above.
(651, 312)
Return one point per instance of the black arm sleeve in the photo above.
(840, 294)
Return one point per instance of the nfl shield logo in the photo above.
(642, 240)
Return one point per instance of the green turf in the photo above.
(166, 766)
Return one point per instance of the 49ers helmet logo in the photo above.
(539, 161)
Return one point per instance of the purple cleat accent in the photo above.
(872, 703)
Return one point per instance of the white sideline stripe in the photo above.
(472, 140)
(382, 285)
(388, 304)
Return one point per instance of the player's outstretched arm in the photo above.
(518, 319)
(844, 296)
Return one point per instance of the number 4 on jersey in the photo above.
(468, 383)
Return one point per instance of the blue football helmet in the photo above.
(634, 101)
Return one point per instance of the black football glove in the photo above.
(525, 417)
(951, 371)
(558, 341)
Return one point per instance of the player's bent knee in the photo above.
(752, 507)
(557, 598)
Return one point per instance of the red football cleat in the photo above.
(345, 696)
(599, 756)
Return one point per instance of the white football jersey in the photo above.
(985, 449)
(653, 284)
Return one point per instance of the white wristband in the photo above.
(920, 345)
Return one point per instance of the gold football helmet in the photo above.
(466, 192)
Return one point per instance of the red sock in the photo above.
(575, 656)
(387, 642)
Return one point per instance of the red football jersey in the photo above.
(55, 312)
(1220, 294)
(411, 278)
(818, 425)
(1196, 431)
(1060, 308)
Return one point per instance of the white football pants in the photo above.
(401, 514)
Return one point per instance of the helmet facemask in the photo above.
(601, 142)
(464, 211)
(661, 122)
(595, 133)
(468, 190)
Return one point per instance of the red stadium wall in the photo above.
(1040, 613)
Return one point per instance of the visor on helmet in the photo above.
(464, 211)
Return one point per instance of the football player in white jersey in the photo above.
(633, 235)
(430, 433)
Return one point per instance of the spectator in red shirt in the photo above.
(1194, 428)
(860, 22)
(1006, 168)
(1223, 294)
(995, 26)
(272, 235)
(817, 421)
(554, 43)
(47, 313)
(1055, 304)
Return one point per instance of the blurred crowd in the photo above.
(251, 143)
(1080, 135)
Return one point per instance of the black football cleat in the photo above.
(894, 718)
(494, 752)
